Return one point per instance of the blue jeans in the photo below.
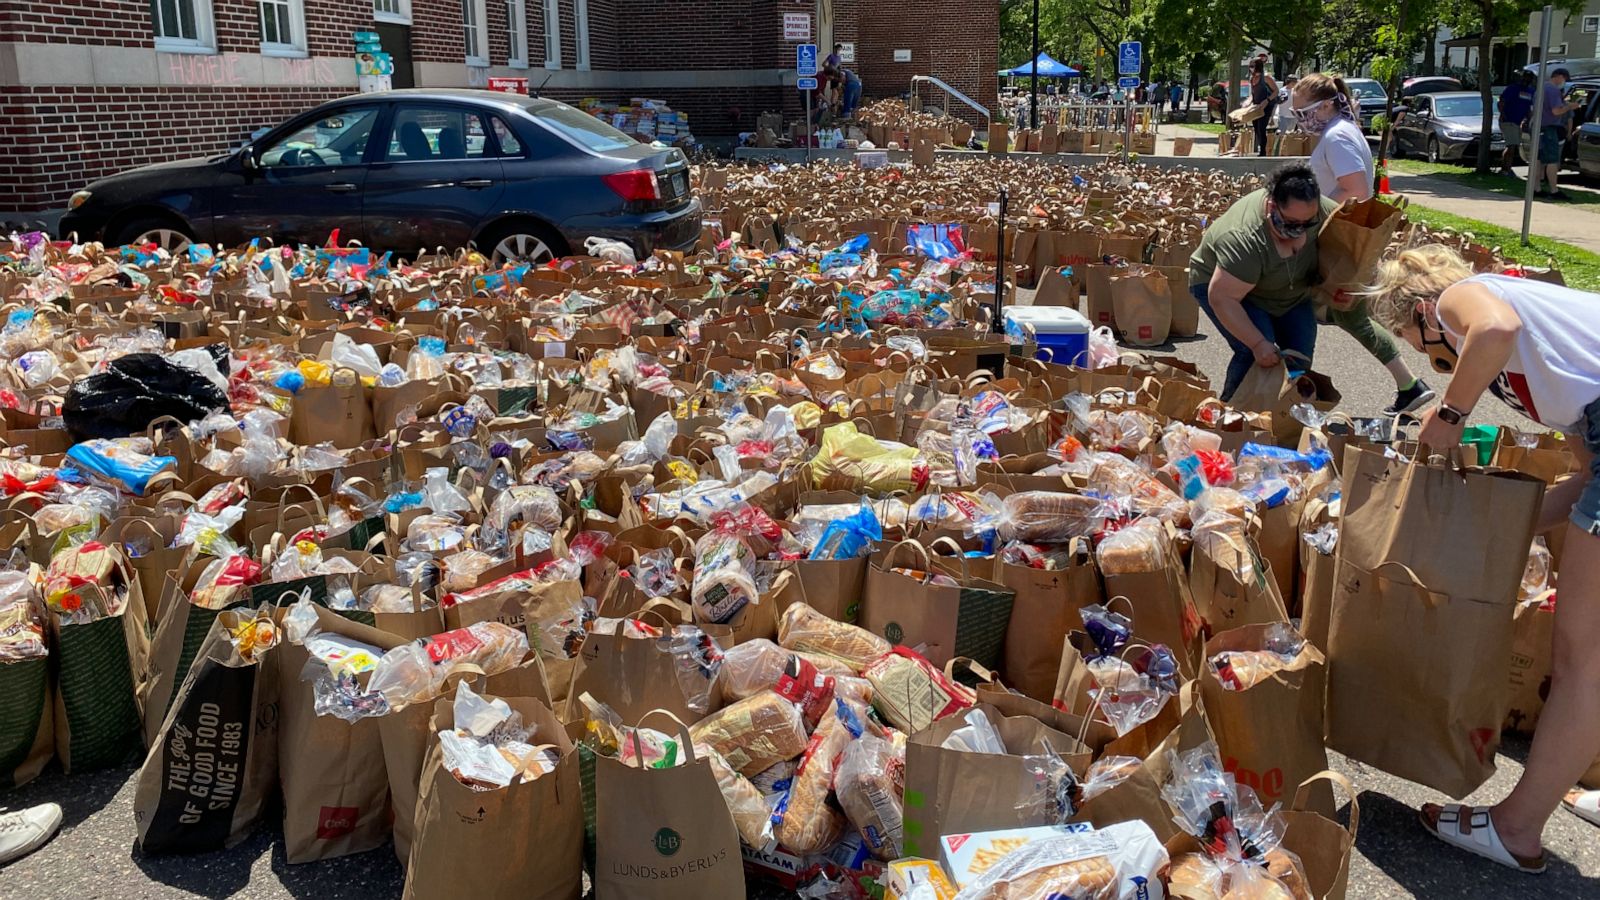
(852, 97)
(1586, 513)
(1295, 330)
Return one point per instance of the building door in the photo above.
(396, 41)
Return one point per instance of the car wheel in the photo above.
(522, 242)
(1433, 149)
(164, 233)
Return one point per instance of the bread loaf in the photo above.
(810, 825)
(803, 628)
(750, 814)
(869, 785)
(755, 666)
(754, 733)
(1049, 517)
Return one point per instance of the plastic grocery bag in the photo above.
(132, 392)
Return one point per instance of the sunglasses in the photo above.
(1304, 113)
(1292, 229)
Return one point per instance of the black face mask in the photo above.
(1444, 358)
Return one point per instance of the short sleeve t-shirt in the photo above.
(1515, 104)
(1552, 101)
(1239, 242)
(1342, 151)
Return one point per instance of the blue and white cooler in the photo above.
(1061, 332)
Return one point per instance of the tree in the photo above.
(1396, 43)
(1343, 40)
(1492, 18)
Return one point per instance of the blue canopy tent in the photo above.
(1048, 68)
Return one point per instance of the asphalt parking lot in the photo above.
(94, 857)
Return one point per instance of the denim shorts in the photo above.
(1586, 513)
(1550, 140)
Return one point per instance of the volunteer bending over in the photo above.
(1254, 270)
(1536, 346)
(1321, 105)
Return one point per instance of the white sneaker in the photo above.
(27, 830)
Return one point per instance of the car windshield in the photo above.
(583, 128)
(1364, 89)
(1462, 107)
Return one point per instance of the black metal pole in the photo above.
(1033, 90)
(997, 324)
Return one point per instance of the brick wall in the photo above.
(955, 40)
(59, 140)
(436, 31)
(101, 22)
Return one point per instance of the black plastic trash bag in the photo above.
(134, 391)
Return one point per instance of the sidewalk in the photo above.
(1569, 224)
(1205, 143)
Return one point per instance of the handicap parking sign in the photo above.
(1130, 58)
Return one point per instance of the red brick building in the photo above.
(90, 87)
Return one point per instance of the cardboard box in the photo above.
(966, 856)
(905, 874)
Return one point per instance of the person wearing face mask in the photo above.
(1322, 105)
(1536, 346)
(1263, 92)
(1254, 270)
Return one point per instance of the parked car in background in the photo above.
(1427, 84)
(1585, 67)
(1445, 126)
(522, 178)
(1370, 97)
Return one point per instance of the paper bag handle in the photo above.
(683, 735)
(972, 666)
(1423, 591)
(1302, 795)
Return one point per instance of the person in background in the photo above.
(1175, 94)
(1535, 346)
(1285, 108)
(1515, 106)
(851, 93)
(1254, 270)
(1552, 135)
(832, 60)
(1263, 92)
(1322, 105)
(1158, 96)
(25, 830)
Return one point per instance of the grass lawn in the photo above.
(1499, 184)
(1580, 267)
(1210, 127)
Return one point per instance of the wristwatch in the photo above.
(1451, 415)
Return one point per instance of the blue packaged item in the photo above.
(431, 345)
(846, 538)
(936, 241)
(291, 381)
(200, 253)
(1313, 460)
(110, 461)
(856, 245)
(839, 260)
(1191, 476)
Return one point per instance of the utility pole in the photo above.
(1033, 90)
(1538, 122)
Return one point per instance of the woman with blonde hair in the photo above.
(1536, 346)
(1322, 105)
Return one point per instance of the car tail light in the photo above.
(634, 184)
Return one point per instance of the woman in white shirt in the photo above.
(1343, 166)
(1537, 347)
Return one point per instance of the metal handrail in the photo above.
(949, 92)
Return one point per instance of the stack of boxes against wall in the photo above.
(86, 89)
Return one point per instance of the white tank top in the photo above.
(1554, 369)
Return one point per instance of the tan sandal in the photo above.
(1470, 828)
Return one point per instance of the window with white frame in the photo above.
(1591, 24)
(183, 26)
(283, 27)
(582, 10)
(397, 11)
(552, 34)
(516, 35)
(475, 28)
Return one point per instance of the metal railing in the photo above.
(916, 95)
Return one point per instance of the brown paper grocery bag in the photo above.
(335, 788)
(1185, 308)
(633, 676)
(1233, 586)
(956, 792)
(664, 834)
(1269, 733)
(999, 137)
(1141, 302)
(1101, 308)
(1181, 728)
(941, 622)
(1182, 146)
(525, 840)
(1045, 610)
(336, 413)
(1323, 845)
(922, 153)
(223, 722)
(1316, 572)
(1532, 634)
(1163, 610)
(1350, 245)
(1056, 288)
(1424, 593)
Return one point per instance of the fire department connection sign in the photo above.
(797, 26)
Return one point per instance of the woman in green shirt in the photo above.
(1254, 270)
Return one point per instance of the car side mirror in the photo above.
(247, 158)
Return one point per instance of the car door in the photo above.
(1589, 138)
(302, 182)
(436, 177)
